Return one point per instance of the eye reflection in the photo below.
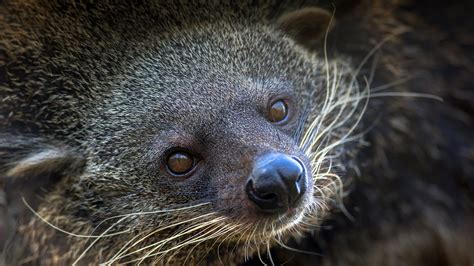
(180, 163)
(278, 111)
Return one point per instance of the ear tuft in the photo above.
(46, 162)
(307, 26)
(32, 166)
(29, 168)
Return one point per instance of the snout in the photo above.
(277, 182)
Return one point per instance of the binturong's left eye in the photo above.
(278, 111)
(180, 163)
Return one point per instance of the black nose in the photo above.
(276, 183)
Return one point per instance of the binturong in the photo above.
(168, 132)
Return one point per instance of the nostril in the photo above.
(268, 196)
(266, 201)
(301, 166)
(250, 187)
(297, 185)
(265, 196)
(299, 178)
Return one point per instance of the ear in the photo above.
(307, 26)
(41, 165)
(29, 168)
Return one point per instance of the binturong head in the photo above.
(177, 134)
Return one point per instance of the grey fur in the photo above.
(119, 85)
(112, 86)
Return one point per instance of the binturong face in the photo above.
(207, 141)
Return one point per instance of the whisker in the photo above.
(296, 250)
(97, 239)
(269, 254)
(67, 232)
(121, 256)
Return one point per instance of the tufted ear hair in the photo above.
(307, 26)
(29, 168)
(42, 164)
(30, 165)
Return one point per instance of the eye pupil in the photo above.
(278, 111)
(180, 163)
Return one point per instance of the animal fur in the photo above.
(101, 86)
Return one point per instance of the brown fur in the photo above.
(75, 79)
(95, 95)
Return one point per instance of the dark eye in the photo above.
(278, 111)
(180, 163)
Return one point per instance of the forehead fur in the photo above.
(141, 52)
(169, 80)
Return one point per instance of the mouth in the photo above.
(268, 225)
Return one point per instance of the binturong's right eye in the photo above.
(180, 163)
(278, 111)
